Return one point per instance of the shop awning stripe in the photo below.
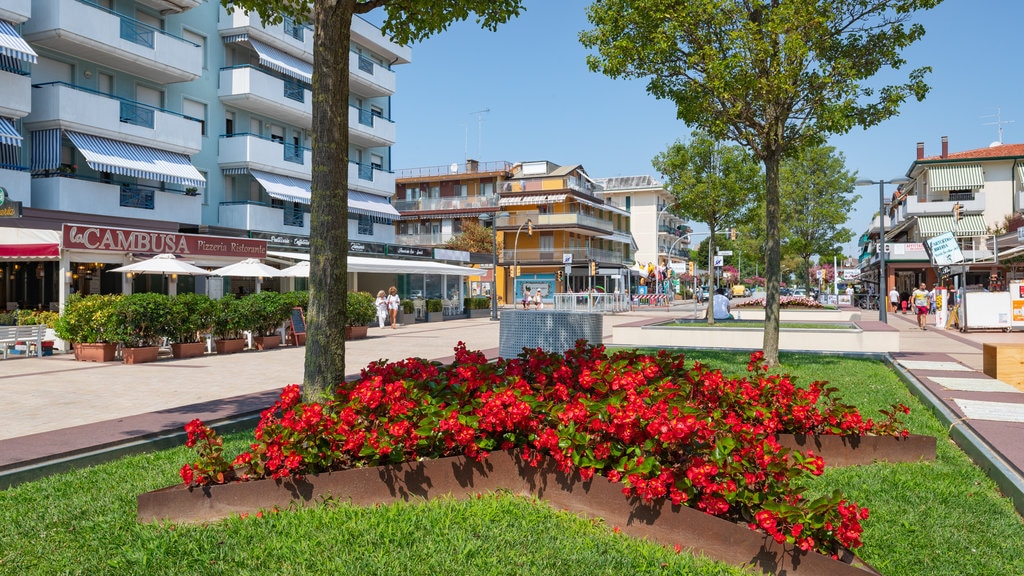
(970, 225)
(284, 187)
(105, 155)
(371, 205)
(45, 149)
(956, 177)
(12, 44)
(8, 133)
(282, 62)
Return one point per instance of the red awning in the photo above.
(29, 244)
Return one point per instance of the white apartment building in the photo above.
(660, 236)
(171, 117)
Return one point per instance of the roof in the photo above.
(628, 182)
(991, 152)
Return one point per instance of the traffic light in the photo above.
(558, 275)
(732, 233)
(956, 212)
(529, 227)
(519, 270)
(593, 268)
(690, 266)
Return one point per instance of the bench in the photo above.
(30, 333)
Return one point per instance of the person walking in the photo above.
(894, 299)
(382, 308)
(393, 303)
(922, 302)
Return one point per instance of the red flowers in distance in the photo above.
(661, 427)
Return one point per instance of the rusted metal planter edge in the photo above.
(862, 450)
(460, 477)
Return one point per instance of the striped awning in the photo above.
(105, 155)
(8, 133)
(371, 205)
(956, 177)
(282, 62)
(536, 199)
(970, 225)
(283, 187)
(1020, 173)
(13, 45)
(45, 149)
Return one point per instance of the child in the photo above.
(382, 308)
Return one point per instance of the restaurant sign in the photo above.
(9, 208)
(103, 239)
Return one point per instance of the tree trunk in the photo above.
(711, 275)
(328, 214)
(773, 255)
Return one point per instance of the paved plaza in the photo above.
(56, 413)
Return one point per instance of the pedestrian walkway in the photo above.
(56, 414)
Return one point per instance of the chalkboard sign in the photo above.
(297, 330)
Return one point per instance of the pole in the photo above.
(883, 283)
(494, 269)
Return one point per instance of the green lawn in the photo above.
(935, 518)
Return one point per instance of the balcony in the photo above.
(263, 217)
(113, 199)
(554, 256)
(368, 130)
(483, 203)
(425, 239)
(170, 6)
(17, 183)
(267, 94)
(15, 93)
(95, 34)
(912, 206)
(16, 11)
(288, 36)
(567, 221)
(259, 153)
(369, 79)
(59, 105)
(366, 178)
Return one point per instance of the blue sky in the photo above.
(544, 104)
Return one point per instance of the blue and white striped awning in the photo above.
(371, 205)
(45, 149)
(282, 62)
(12, 44)
(283, 187)
(8, 133)
(105, 155)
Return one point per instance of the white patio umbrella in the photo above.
(300, 270)
(248, 268)
(163, 264)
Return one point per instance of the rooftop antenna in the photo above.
(998, 123)
(479, 132)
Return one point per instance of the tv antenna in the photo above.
(479, 132)
(998, 123)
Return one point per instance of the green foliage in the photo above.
(140, 319)
(263, 312)
(434, 305)
(476, 303)
(189, 316)
(9, 318)
(230, 320)
(87, 319)
(32, 317)
(297, 299)
(408, 306)
(474, 237)
(361, 310)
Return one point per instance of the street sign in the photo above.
(719, 261)
(944, 249)
(568, 267)
(725, 252)
(566, 258)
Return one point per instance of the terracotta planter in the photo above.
(139, 355)
(95, 352)
(188, 349)
(229, 346)
(266, 342)
(657, 521)
(355, 332)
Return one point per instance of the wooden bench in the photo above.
(31, 333)
(1004, 362)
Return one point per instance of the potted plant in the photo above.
(85, 323)
(435, 310)
(228, 325)
(264, 314)
(360, 312)
(477, 306)
(190, 316)
(139, 325)
(407, 315)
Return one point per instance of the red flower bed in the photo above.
(661, 427)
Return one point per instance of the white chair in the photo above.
(447, 308)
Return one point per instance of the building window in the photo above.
(365, 227)
(628, 202)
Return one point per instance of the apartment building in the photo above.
(660, 236)
(968, 193)
(172, 117)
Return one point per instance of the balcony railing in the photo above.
(267, 93)
(136, 114)
(912, 206)
(137, 197)
(247, 215)
(424, 239)
(560, 219)
(456, 203)
(471, 167)
(554, 256)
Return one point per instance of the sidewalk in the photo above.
(57, 414)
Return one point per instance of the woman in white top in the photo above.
(538, 302)
(393, 303)
(382, 308)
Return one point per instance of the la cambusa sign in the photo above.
(104, 239)
(9, 208)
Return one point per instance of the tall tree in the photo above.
(712, 184)
(474, 237)
(817, 195)
(775, 76)
(405, 21)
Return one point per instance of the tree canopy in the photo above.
(770, 75)
(405, 21)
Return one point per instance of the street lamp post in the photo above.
(493, 219)
(883, 315)
(515, 246)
